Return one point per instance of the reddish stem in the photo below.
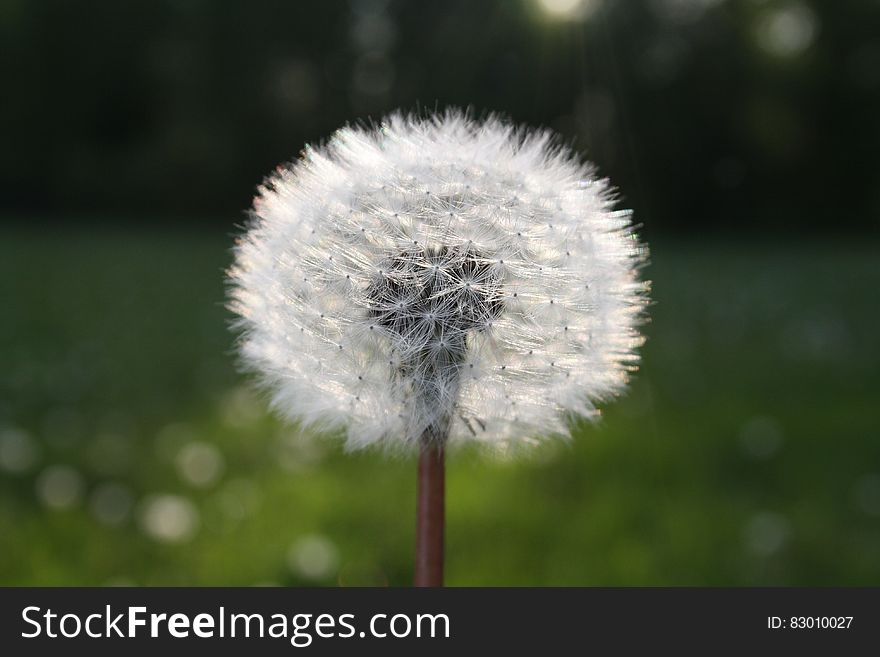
(430, 515)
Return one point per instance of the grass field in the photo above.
(747, 452)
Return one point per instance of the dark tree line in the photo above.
(707, 115)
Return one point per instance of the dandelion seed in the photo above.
(434, 289)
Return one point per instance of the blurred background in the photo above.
(745, 135)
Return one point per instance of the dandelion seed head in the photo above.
(435, 275)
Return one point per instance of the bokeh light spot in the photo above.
(313, 557)
(787, 31)
(111, 503)
(169, 518)
(60, 487)
(766, 533)
(18, 451)
(761, 437)
(200, 464)
(570, 10)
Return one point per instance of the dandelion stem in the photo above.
(430, 513)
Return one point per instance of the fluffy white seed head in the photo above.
(438, 275)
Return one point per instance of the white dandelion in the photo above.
(441, 277)
(435, 281)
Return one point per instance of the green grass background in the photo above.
(746, 453)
